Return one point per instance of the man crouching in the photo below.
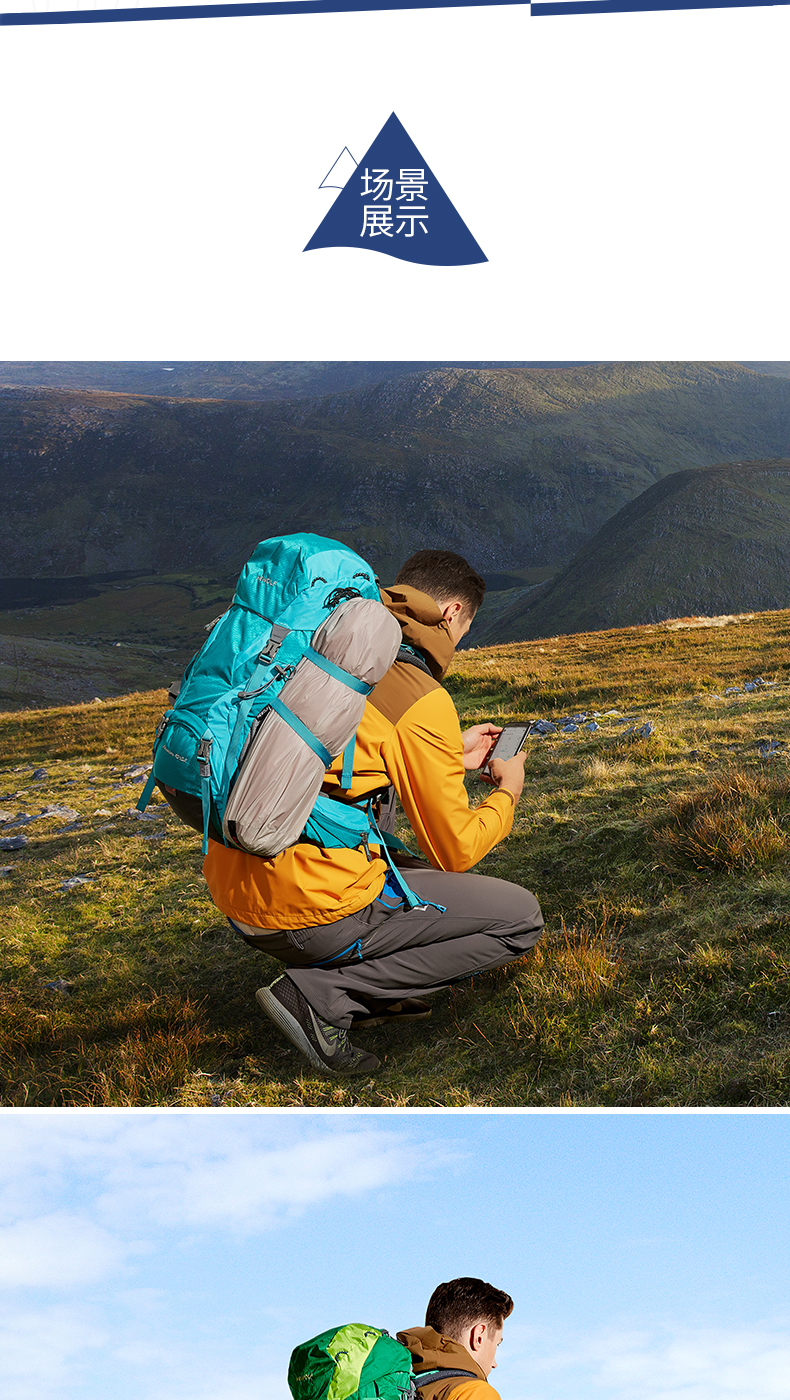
(355, 953)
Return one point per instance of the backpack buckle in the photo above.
(204, 757)
(278, 636)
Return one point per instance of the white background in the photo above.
(625, 175)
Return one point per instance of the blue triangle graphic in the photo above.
(394, 204)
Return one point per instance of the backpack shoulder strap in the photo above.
(430, 1377)
(413, 658)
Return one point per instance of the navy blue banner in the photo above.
(538, 8)
(265, 7)
(619, 7)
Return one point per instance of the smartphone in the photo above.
(510, 742)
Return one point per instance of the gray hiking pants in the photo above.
(387, 952)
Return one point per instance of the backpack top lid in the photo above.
(283, 569)
(349, 1362)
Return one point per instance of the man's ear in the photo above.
(451, 610)
(477, 1336)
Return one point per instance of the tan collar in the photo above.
(431, 1351)
(423, 625)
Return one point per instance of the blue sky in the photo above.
(182, 1255)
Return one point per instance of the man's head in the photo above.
(453, 584)
(473, 1313)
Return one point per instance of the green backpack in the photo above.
(357, 1362)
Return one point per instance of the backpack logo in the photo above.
(173, 754)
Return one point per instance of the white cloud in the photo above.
(705, 1364)
(40, 1346)
(181, 1170)
(670, 1363)
(251, 1188)
(81, 1196)
(205, 1372)
(56, 1251)
(230, 1382)
(67, 1350)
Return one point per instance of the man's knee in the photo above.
(519, 923)
(513, 910)
(498, 906)
(518, 906)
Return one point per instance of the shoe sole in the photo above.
(290, 1027)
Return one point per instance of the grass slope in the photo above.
(515, 468)
(661, 862)
(711, 541)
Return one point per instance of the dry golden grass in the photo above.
(122, 727)
(595, 770)
(737, 821)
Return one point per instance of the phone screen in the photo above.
(510, 741)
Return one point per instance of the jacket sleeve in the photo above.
(424, 758)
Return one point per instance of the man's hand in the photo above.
(478, 743)
(508, 773)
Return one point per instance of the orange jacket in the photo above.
(409, 736)
(431, 1351)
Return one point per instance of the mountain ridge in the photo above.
(255, 380)
(711, 541)
(515, 468)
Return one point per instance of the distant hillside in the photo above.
(781, 368)
(259, 380)
(67, 644)
(705, 542)
(516, 468)
(36, 673)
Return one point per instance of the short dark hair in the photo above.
(456, 1305)
(444, 576)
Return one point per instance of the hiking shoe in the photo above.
(325, 1046)
(380, 1012)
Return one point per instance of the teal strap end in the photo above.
(387, 843)
(145, 795)
(347, 775)
(205, 793)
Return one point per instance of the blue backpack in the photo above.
(288, 588)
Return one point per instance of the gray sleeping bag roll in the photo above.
(279, 775)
